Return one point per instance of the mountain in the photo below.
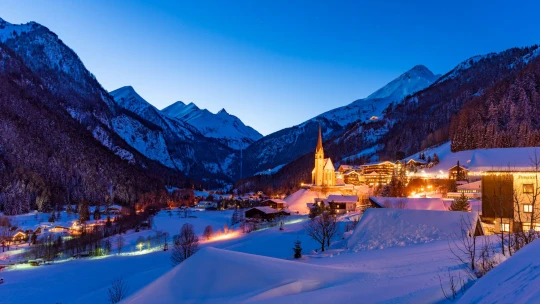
(172, 143)
(48, 158)
(226, 128)
(485, 101)
(286, 145)
(185, 147)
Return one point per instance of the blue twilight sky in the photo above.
(274, 64)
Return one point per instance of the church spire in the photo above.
(319, 141)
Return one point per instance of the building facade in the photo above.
(324, 172)
(509, 200)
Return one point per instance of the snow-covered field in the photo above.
(254, 267)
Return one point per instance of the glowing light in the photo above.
(224, 236)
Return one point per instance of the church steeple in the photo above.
(319, 141)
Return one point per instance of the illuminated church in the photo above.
(324, 173)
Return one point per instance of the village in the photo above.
(374, 206)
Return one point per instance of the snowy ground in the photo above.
(245, 267)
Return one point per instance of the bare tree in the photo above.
(463, 244)
(208, 232)
(119, 243)
(118, 291)
(322, 229)
(185, 244)
(455, 284)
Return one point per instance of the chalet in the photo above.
(453, 172)
(378, 173)
(19, 237)
(346, 168)
(114, 209)
(59, 229)
(264, 213)
(415, 163)
(352, 177)
(342, 203)
(206, 205)
(275, 203)
(471, 190)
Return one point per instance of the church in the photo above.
(324, 173)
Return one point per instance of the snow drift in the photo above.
(513, 281)
(382, 228)
(216, 275)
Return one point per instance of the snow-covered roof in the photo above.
(380, 228)
(341, 199)
(265, 209)
(411, 203)
(277, 200)
(503, 159)
(328, 165)
(471, 186)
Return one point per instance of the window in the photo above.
(527, 226)
(505, 227)
(527, 208)
(528, 188)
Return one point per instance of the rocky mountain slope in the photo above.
(172, 143)
(226, 128)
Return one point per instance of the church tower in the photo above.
(317, 175)
(324, 173)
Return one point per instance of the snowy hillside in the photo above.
(514, 281)
(288, 144)
(223, 126)
(174, 143)
(372, 107)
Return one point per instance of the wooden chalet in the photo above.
(264, 213)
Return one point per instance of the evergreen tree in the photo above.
(84, 213)
(97, 215)
(435, 158)
(297, 249)
(460, 204)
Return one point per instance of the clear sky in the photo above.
(274, 63)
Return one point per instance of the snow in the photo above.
(383, 228)
(256, 267)
(477, 160)
(410, 82)
(298, 201)
(223, 126)
(410, 203)
(270, 171)
(513, 281)
(149, 143)
(215, 275)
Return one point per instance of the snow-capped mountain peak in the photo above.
(372, 107)
(223, 126)
(415, 79)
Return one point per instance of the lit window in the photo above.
(527, 226)
(528, 188)
(527, 208)
(505, 227)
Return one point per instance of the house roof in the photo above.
(471, 186)
(341, 199)
(265, 209)
(382, 228)
(277, 200)
(328, 165)
(409, 203)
